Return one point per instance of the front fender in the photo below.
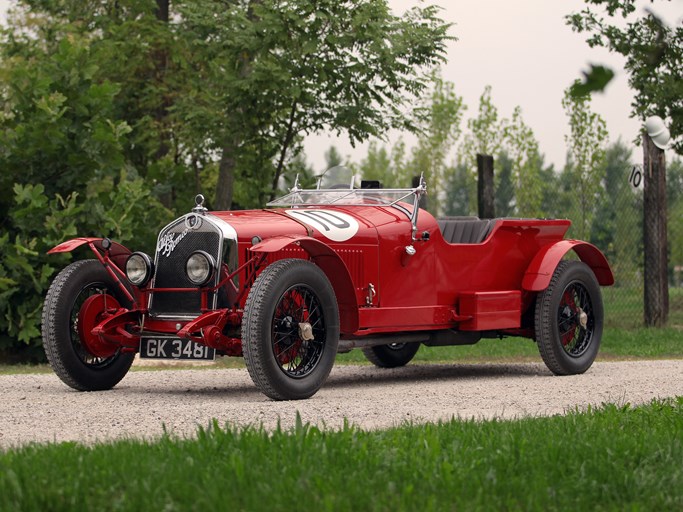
(330, 263)
(117, 252)
(540, 270)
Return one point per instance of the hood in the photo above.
(326, 223)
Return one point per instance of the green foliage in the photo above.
(505, 188)
(57, 127)
(443, 111)
(278, 70)
(126, 210)
(123, 110)
(653, 52)
(611, 457)
(37, 223)
(389, 166)
(586, 142)
(617, 222)
(594, 80)
(377, 165)
(25, 272)
(461, 192)
(486, 131)
(522, 149)
(438, 119)
(332, 158)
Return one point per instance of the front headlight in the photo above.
(139, 268)
(200, 267)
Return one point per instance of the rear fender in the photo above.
(330, 263)
(540, 270)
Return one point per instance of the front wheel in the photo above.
(290, 330)
(569, 318)
(81, 296)
(392, 355)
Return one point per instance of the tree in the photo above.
(653, 52)
(522, 149)
(486, 131)
(438, 133)
(275, 70)
(132, 45)
(66, 150)
(332, 157)
(461, 191)
(586, 141)
(377, 165)
(505, 188)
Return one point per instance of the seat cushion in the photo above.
(465, 231)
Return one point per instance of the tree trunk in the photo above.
(162, 10)
(485, 188)
(226, 177)
(656, 290)
(226, 166)
(288, 138)
(160, 58)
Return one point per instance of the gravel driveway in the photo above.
(41, 408)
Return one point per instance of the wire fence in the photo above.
(620, 235)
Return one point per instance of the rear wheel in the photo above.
(569, 318)
(81, 296)
(290, 330)
(391, 356)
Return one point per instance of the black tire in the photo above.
(391, 356)
(66, 352)
(567, 346)
(285, 297)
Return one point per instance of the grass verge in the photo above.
(611, 458)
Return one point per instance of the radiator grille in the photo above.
(170, 268)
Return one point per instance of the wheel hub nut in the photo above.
(306, 331)
(583, 318)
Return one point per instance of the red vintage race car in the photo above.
(320, 272)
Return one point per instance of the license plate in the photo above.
(174, 348)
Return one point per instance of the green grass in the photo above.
(21, 369)
(624, 307)
(612, 458)
(642, 343)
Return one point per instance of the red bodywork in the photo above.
(380, 289)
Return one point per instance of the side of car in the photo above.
(333, 270)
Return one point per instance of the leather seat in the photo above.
(465, 230)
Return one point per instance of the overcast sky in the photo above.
(524, 50)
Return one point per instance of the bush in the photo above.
(126, 211)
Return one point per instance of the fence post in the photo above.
(656, 289)
(485, 188)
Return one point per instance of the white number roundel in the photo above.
(336, 226)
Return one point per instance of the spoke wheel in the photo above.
(81, 296)
(575, 319)
(298, 312)
(569, 319)
(290, 329)
(392, 355)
